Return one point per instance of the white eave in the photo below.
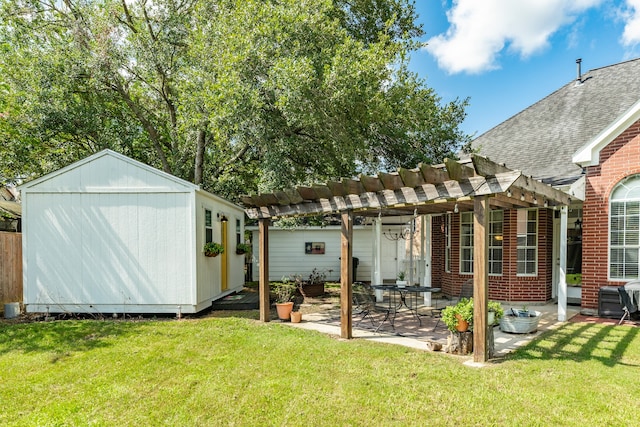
(589, 154)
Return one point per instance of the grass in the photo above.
(238, 372)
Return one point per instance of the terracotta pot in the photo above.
(284, 310)
(462, 325)
(211, 254)
(296, 317)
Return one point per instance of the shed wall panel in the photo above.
(108, 249)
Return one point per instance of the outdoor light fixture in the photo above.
(455, 208)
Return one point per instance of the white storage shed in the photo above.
(109, 234)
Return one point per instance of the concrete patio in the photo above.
(409, 332)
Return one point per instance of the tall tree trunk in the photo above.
(197, 178)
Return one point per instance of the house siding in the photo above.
(508, 286)
(619, 159)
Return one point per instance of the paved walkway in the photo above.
(410, 333)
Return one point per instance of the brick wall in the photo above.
(508, 286)
(621, 158)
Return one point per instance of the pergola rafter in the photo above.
(474, 186)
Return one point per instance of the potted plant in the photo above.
(401, 282)
(459, 317)
(495, 312)
(313, 285)
(212, 249)
(243, 248)
(284, 294)
(515, 321)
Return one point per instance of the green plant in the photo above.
(464, 309)
(284, 291)
(243, 248)
(497, 309)
(401, 276)
(213, 249)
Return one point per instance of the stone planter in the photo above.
(520, 325)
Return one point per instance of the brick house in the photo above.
(584, 139)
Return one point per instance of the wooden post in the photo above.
(346, 292)
(263, 252)
(480, 277)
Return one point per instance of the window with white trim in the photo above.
(527, 229)
(447, 236)
(495, 242)
(208, 226)
(624, 233)
(466, 242)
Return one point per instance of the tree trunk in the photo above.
(197, 176)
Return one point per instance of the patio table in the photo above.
(403, 292)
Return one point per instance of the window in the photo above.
(466, 242)
(238, 235)
(208, 226)
(624, 234)
(527, 230)
(447, 254)
(495, 242)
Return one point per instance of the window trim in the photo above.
(625, 199)
(525, 247)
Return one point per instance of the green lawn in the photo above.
(235, 371)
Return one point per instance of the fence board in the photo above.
(10, 267)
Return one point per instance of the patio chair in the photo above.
(627, 305)
(466, 291)
(365, 301)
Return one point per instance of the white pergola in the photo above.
(477, 186)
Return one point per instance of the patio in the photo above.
(410, 333)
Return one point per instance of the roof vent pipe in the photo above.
(579, 71)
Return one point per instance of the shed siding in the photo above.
(108, 249)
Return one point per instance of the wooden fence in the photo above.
(10, 267)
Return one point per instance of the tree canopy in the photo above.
(237, 95)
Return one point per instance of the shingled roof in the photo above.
(541, 140)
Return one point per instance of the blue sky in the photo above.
(507, 54)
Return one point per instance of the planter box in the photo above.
(520, 325)
(315, 290)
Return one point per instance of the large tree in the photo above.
(237, 95)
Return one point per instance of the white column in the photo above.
(562, 273)
(376, 270)
(425, 229)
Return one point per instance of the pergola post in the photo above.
(346, 292)
(263, 252)
(376, 270)
(562, 276)
(480, 278)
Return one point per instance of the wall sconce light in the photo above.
(522, 197)
(508, 193)
(546, 203)
(222, 217)
(455, 208)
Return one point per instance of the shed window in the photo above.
(624, 233)
(208, 226)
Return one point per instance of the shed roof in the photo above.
(542, 139)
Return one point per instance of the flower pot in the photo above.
(462, 325)
(401, 283)
(211, 254)
(310, 290)
(520, 325)
(284, 310)
(296, 317)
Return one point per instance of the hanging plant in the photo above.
(243, 248)
(212, 249)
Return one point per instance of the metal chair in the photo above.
(627, 305)
(466, 291)
(365, 301)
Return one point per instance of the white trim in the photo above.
(589, 154)
(109, 153)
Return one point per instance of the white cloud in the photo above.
(480, 29)
(631, 34)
